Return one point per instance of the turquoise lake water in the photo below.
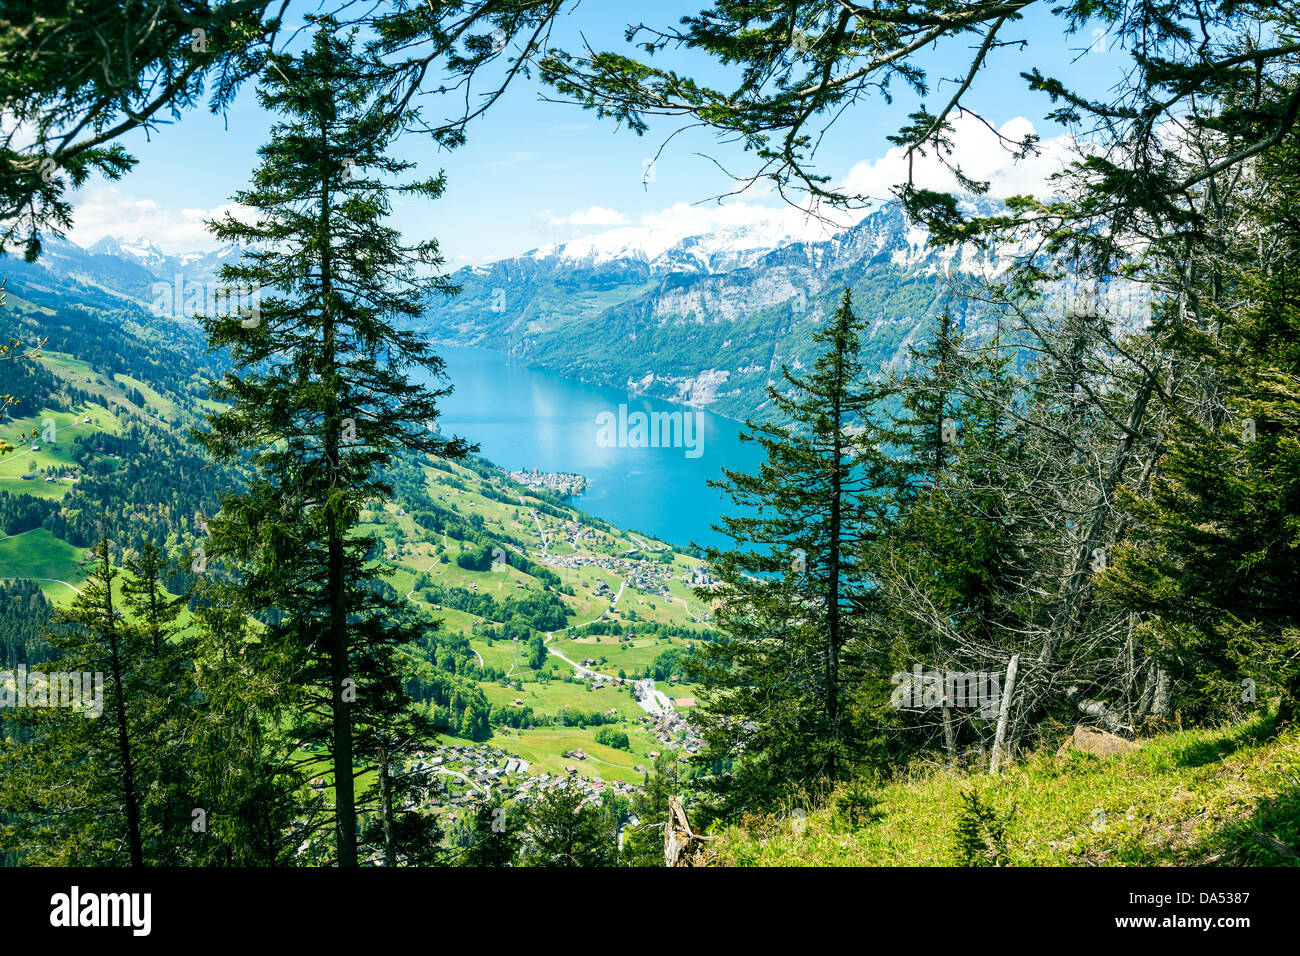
(525, 418)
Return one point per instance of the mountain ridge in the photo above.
(709, 331)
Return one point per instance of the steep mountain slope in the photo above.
(101, 443)
(708, 320)
(114, 273)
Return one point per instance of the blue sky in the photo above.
(535, 172)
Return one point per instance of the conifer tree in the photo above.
(493, 834)
(322, 400)
(253, 800)
(791, 585)
(1212, 560)
(77, 784)
(563, 830)
(164, 699)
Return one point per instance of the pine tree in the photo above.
(563, 830)
(321, 400)
(493, 834)
(774, 685)
(164, 700)
(78, 782)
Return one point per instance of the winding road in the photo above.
(53, 580)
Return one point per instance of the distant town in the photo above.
(561, 483)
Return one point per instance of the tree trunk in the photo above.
(344, 788)
(1004, 712)
(135, 842)
(386, 807)
(1160, 703)
(833, 599)
(949, 736)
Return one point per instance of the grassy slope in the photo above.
(38, 554)
(544, 745)
(1185, 798)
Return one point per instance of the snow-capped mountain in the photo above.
(141, 251)
(147, 254)
(129, 269)
(701, 318)
(708, 319)
(670, 246)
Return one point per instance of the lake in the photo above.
(525, 418)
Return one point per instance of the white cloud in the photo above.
(686, 219)
(979, 153)
(108, 211)
(761, 218)
(591, 216)
(735, 226)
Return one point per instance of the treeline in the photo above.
(541, 611)
(154, 491)
(523, 717)
(25, 614)
(683, 632)
(117, 339)
(454, 704)
(34, 387)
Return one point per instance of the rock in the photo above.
(1099, 742)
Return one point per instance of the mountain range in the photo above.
(706, 319)
(113, 268)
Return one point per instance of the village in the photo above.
(648, 577)
(461, 776)
(564, 484)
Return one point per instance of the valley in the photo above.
(493, 564)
